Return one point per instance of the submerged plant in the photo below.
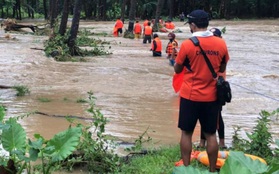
(21, 90)
(97, 150)
(57, 47)
(81, 100)
(44, 99)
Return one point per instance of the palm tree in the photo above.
(171, 11)
(64, 19)
(132, 13)
(74, 28)
(160, 4)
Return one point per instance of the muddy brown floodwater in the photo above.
(133, 89)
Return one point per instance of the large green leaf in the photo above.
(2, 113)
(63, 144)
(237, 163)
(273, 169)
(189, 169)
(14, 137)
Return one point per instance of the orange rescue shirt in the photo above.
(198, 84)
(118, 24)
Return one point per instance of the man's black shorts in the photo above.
(190, 112)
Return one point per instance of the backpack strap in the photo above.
(196, 42)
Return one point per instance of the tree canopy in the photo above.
(144, 9)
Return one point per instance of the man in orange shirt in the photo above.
(118, 25)
(221, 127)
(147, 33)
(156, 46)
(137, 30)
(198, 91)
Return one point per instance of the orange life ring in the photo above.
(222, 155)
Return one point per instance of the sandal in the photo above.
(223, 147)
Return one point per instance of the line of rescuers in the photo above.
(172, 46)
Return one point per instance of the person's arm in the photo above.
(174, 45)
(178, 68)
(180, 59)
(154, 45)
(223, 65)
(173, 53)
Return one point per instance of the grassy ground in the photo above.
(161, 161)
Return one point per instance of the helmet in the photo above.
(155, 35)
(171, 35)
(216, 32)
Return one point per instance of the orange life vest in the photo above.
(171, 46)
(167, 25)
(171, 25)
(158, 43)
(137, 28)
(147, 30)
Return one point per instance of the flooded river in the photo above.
(133, 89)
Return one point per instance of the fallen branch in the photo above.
(63, 116)
(10, 24)
(5, 87)
(37, 48)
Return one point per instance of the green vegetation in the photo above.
(21, 90)
(81, 100)
(44, 100)
(258, 144)
(87, 145)
(58, 48)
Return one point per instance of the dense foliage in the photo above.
(110, 9)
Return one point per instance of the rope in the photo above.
(266, 96)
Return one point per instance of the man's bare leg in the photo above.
(212, 150)
(186, 147)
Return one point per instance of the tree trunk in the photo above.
(74, 28)
(227, 9)
(88, 7)
(19, 9)
(160, 4)
(53, 12)
(132, 13)
(45, 9)
(103, 10)
(34, 7)
(64, 19)
(259, 11)
(171, 9)
(123, 10)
